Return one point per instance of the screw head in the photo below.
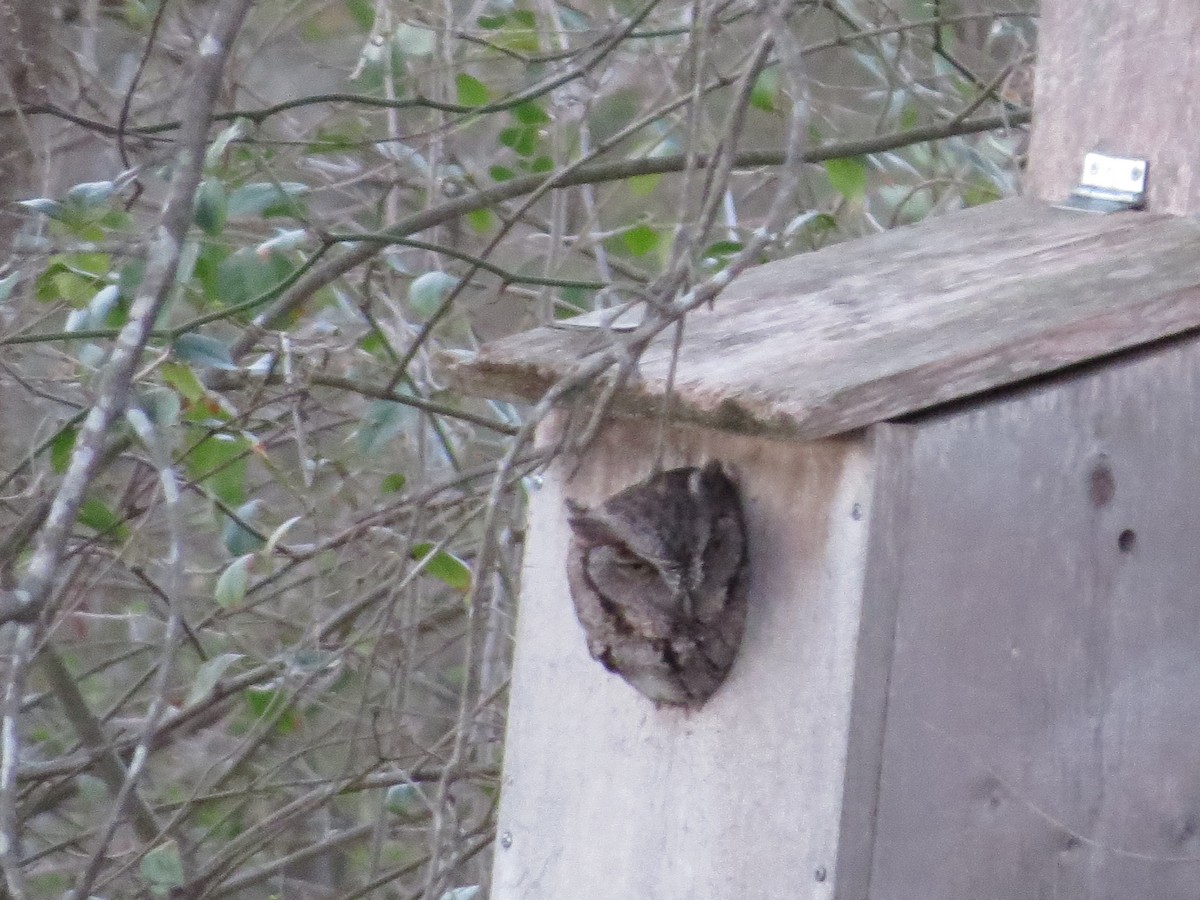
(856, 512)
(820, 874)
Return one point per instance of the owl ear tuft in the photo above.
(589, 530)
(712, 474)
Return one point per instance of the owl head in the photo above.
(656, 575)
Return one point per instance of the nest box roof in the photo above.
(876, 328)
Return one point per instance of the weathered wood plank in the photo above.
(605, 796)
(1045, 688)
(877, 328)
(1120, 77)
(890, 450)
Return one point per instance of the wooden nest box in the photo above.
(969, 457)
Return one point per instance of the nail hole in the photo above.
(1127, 540)
(1102, 485)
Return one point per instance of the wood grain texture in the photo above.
(862, 332)
(1044, 705)
(891, 451)
(606, 796)
(1119, 77)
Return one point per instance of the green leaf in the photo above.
(480, 220)
(203, 351)
(245, 275)
(159, 404)
(521, 36)
(212, 206)
(94, 264)
(283, 241)
(406, 802)
(265, 199)
(220, 461)
(541, 164)
(129, 279)
(577, 300)
(848, 176)
(103, 311)
(766, 90)
(427, 292)
(812, 220)
(363, 12)
(230, 133)
(979, 192)
(382, 420)
(208, 675)
(393, 483)
(413, 40)
(471, 91)
(642, 185)
(373, 342)
(95, 514)
(640, 239)
(231, 586)
(610, 112)
(522, 140)
(530, 113)
(7, 284)
(59, 282)
(265, 703)
(90, 195)
(61, 447)
(183, 379)
(443, 566)
(238, 539)
(722, 248)
(278, 534)
(162, 867)
(77, 320)
(344, 139)
(501, 173)
(47, 207)
(137, 14)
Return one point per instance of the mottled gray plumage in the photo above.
(657, 574)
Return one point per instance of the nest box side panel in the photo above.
(1044, 705)
(606, 795)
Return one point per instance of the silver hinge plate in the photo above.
(1109, 184)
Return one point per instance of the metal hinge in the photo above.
(1109, 184)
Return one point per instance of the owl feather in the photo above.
(657, 577)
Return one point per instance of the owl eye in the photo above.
(630, 561)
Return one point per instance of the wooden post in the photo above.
(1121, 77)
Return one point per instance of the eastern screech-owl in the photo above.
(657, 574)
